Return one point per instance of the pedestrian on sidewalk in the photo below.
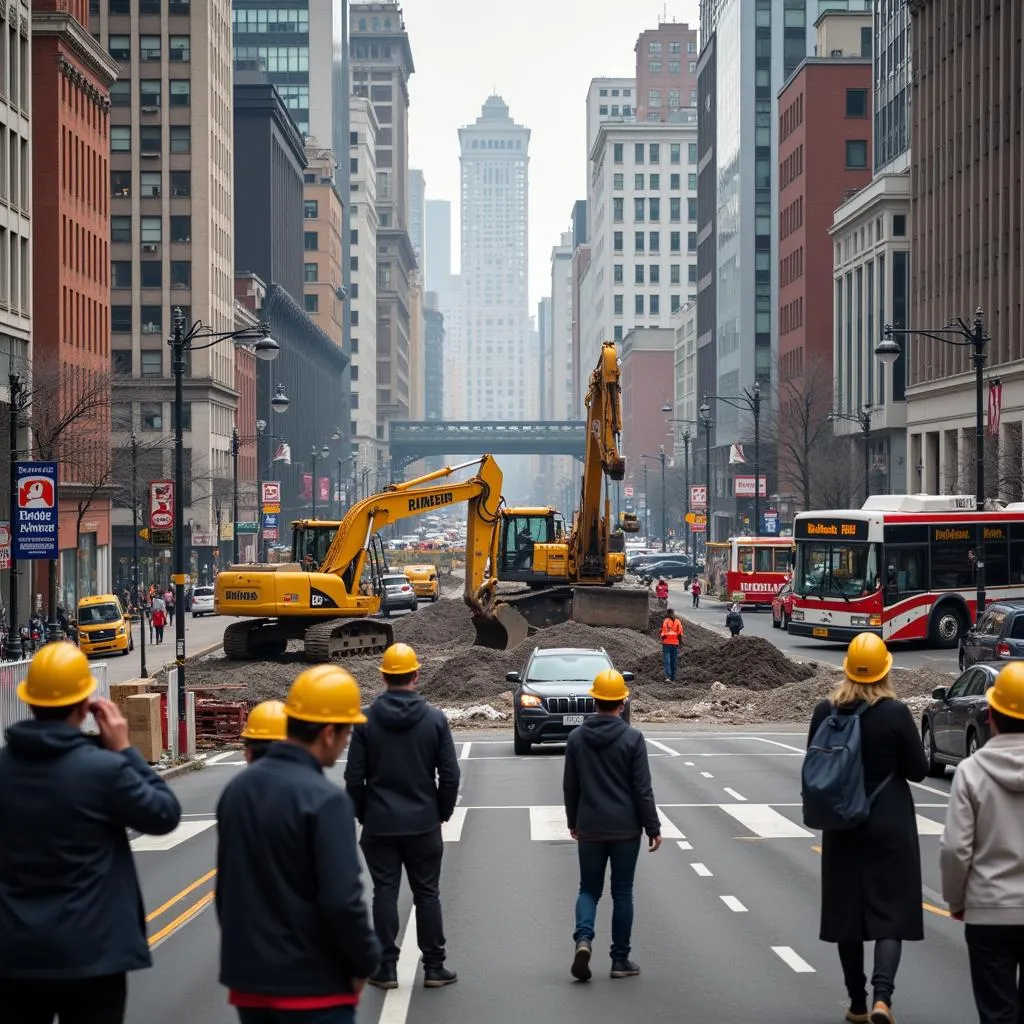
(871, 872)
(157, 618)
(671, 638)
(169, 602)
(695, 592)
(403, 777)
(661, 593)
(609, 804)
(982, 855)
(734, 621)
(267, 723)
(71, 917)
(296, 943)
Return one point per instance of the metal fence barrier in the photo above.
(13, 710)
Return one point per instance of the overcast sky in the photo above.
(540, 56)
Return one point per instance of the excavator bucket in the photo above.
(611, 606)
(503, 630)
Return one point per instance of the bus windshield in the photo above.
(823, 569)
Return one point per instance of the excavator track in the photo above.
(254, 640)
(336, 639)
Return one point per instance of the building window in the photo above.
(181, 92)
(181, 138)
(654, 47)
(121, 184)
(617, 182)
(181, 183)
(899, 225)
(691, 241)
(121, 363)
(638, 209)
(151, 274)
(654, 304)
(310, 241)
(150, 184)
(638, 273)
(353, 236)
(121, 320)
(617, 273)
(673, 99)
(655, 241)
(856, 103)
(617, 209)
(179, 48)
(655, 153)
(120, 229)
(654, 209)
(655, 182)
(675, 47)
(120, 138)
(638, 305)
(152, 319)
(310, 209)
(121, 93)
(149, 48)
(674, 242)
(151, 415)
(311, 303)
(673, 273)
(691, 209)
(653, 101)
(639, 240)
(638, 182)
(120, 48)
(310, 272)
(691, 67)
(120, 273)
(353, 264)
(654, 67)
(617, 241)
(181, 273)
(617, 305)
(617, 333)
(691, 273)
(149, 92)
(691, 154)
(856, 153)
(602, 111)
(151, 364)
(675, 209)
(674, 301)
(354, 320)
(638, 152)
(654, 273)
(673, 182)
(150, 229)
(674, 69)
(617, 152)
(186, 416)
(691, 182)
(181, 229)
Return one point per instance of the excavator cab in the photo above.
(532, 546)
(311, 539)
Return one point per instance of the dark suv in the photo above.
(998, 636)
(551, 697)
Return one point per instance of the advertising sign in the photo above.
(36, 525)
(271, 521)
(161, 505)
(270, 495)
(306, 487)
(770, 522)
(323, 492)
(629, 492)
(269, 535)
(743, 486)
(698, 496)
(5, 545)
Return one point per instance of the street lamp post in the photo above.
(963, 335)
(134, 446)
(182, 341)
(647, 509)
(705, 418)
(863, 418)
(748, 400)
(323, 453)
(664, 528)
(16, 407)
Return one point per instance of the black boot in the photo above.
(438, 977)
(624, 969)
(386, 976)
(580, 969)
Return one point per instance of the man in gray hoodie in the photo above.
(982, 855)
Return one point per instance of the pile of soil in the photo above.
(443, 622)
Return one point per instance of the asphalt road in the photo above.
(726, 912)
(199, 633)
(758, 622)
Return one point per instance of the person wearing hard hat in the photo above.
(871, 873)
(609, 804)
(982, 854)
(71, 914)
(403, 777)
(267, 723)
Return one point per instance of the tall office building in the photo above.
(381, 67)
(495, 265)
(417, 311)
(666, 71)
(608, 99)
(559, 370)
(171, 237)
(418, 216)
(437, 266)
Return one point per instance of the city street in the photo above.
(199, 633)
(727, 910)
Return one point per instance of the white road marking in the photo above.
(668, 830)
(733, 904)
(707, 775)
(185, 831)
(451, 830)
(701, 869)
(395, 1009)
(793, 960)
(766, 822)
(931, 789)
(785, 746)
(547, 824)
(464, 754)
(689, 764)
(661, 746)
(217, 758)
(684, 846)
(226, 764)
(736, 796)
(928, 827)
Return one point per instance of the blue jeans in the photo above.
(594, 857)
(669, 657)
(331, 1015)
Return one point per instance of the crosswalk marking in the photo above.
(547, 824)
(765, 821)
(451, 830)
(668, 830)
(185, 831)
(929, 827)
(793, 959)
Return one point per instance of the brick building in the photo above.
(71, 79)
(666, 71)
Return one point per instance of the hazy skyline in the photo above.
(539, 56)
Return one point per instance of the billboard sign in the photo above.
(36, 525)
(698, 497)
(270, 495)
(743, 487)
(161, 505)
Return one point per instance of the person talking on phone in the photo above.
(72, 921)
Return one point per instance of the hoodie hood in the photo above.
(44, 741)
(1002, 759)
(399, 709)
(602, 730)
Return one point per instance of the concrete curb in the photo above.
(181, 769)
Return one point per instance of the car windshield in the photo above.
(395, 581)
(204, 592)
(567, 668)
(96, 614)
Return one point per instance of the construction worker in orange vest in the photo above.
(671, 638)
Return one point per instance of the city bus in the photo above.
(903, 567)
(747, 569)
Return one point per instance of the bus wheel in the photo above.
(947, 626)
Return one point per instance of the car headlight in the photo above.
(120, 630)
(859, 620)
(797, 616)
(530, 700)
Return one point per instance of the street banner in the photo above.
(698, 497)
(36, 525)
(306, 487)
(323, 492)
(161, 505)
(743, 486)
(271, 521)
(736, 455)
(5, 545)
(995, 406)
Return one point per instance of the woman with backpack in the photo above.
(734, 621)
(870, 858)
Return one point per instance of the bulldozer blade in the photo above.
(502, 631)
(611, 606)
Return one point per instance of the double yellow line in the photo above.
(186, 915)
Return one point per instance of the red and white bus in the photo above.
(903, 567)
(748, 569)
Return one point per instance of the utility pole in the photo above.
(136, 595)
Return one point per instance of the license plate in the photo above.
(572, 719)
(819, 631)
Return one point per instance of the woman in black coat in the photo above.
(871, 874)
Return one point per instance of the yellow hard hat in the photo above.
(58, 677)
(867, 659)
(1006, 695)
(398, 660)
(325, 693)
(609, 685)
(267, 721)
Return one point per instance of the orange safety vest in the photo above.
(671, 632)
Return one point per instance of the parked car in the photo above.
(956, 723)
(670, 568)
(635, 562)
(782, 606)
(551, 699)
(397, 593)
(202, 601)
(998, 636)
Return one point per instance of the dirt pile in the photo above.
(443, 622)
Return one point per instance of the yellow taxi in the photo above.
(424, 580)
(103, 626)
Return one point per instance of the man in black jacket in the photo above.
(72, 922)
(295, 934)
(609, 802)
(403, 777)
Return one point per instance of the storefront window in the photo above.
(88, 579)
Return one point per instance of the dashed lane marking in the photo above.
(684, 845)
(928, 827)
(689, 764)
(734, 794)
(464, 753)
(707, 775)
(733, 904)
(185, 831)
(793, 959)
(395, 1009)
(702, 870)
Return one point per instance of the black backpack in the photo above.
(832, 777)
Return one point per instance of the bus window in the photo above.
(745, 559)
(783, 559)
(906, 571)
(1016, 561)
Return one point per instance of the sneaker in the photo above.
(580, 969)
(438, 977)
(386, 976)
(857, 1016)
(624, 969)
(881, 1013)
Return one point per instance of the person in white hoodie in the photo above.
(982, 855)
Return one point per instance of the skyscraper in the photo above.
(437, 266)
(494, 206)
